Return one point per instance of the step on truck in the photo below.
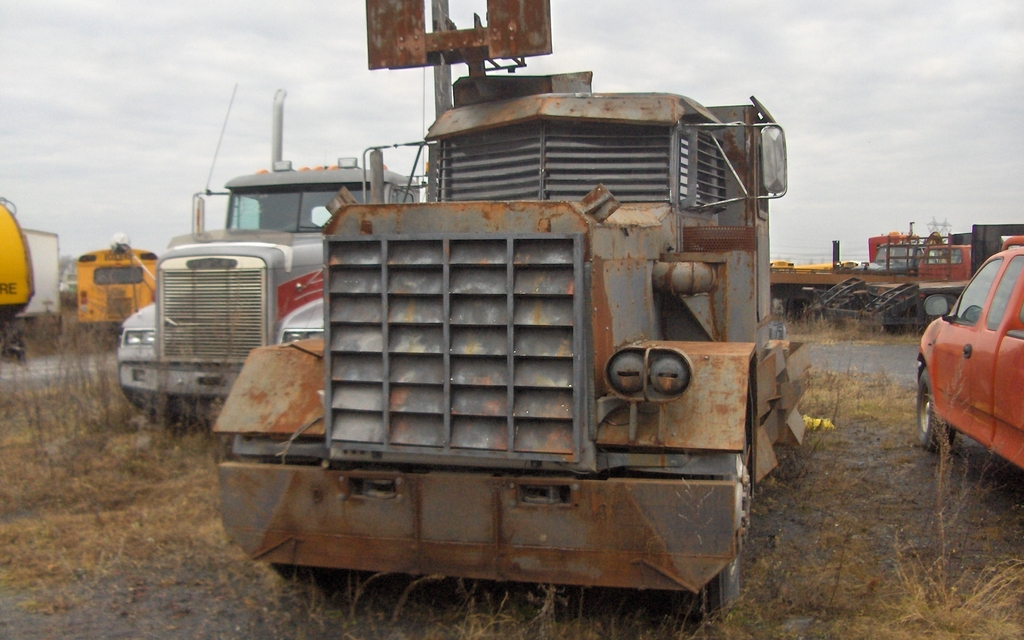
(221, 293)
(559, 370)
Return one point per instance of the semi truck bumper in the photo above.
(151, 380)
(620, 532)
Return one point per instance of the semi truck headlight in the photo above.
(135, 337)
(626, 372)
(655, 374)
(669, 373)
(294, 335)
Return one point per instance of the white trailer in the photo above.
(45, 254)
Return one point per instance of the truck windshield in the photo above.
(284, 210)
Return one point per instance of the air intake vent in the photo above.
(497, 165)
(700, 157)
(552, 161)
(459, 346)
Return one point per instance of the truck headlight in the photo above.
(136, 337)
(294, 335)
(668, 373)
(626, 372)
(655, 374)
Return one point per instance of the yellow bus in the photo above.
(113, 285)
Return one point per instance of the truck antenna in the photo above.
(221, 138)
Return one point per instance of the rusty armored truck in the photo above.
(558, 370)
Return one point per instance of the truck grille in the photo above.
(456, 345)
(212, 315)
(555, 161)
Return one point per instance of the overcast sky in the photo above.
(895, 111)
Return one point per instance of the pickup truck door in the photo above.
(1007, 402)
(954, 368)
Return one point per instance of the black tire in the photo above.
(931, 430)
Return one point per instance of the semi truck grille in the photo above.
(456, 345)
(212, 315)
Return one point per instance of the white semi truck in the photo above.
(222, 293)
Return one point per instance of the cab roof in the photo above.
(306, 176)
(624, 108)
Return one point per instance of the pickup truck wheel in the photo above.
(931, 430)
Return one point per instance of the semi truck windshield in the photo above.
(283, 210)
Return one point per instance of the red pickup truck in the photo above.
(971, 361)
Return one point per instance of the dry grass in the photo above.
(84, 488)
(880, 540)
(830, 332)
(858, 534)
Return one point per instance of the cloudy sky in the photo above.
(895, 110)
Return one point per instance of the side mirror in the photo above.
(936, 305)
(773, 160)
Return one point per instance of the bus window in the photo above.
(117, 275)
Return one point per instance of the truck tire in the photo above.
(723, 590)
(931, 430)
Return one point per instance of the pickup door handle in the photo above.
(968, 350)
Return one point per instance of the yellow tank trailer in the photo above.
(15, 275)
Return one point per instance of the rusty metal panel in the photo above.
(395, 34)
(637, 533)
(767, 383)
(764, 454)
(458, 217)
(627, 289)
(518, 28)
(792, 432)
(277, 392)
(646, 108)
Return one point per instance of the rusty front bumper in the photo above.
(636, 533)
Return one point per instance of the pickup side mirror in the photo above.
(936, 305)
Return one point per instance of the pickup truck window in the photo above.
(968, 308)
(1004, 289)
